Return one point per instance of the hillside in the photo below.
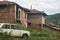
(53, 18)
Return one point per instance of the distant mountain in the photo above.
(53, 18)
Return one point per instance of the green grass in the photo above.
(44, 34)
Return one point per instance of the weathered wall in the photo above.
(36, 19)
(43, 19)
(7, 13)
(23, 17)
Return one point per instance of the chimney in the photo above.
(5, 0)
(31, 7)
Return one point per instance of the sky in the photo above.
(48, 6)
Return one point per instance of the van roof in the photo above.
(7, 23)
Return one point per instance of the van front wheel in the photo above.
(25, 36)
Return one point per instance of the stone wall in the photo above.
(36, 19)
(7, 14)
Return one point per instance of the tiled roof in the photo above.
(33, 11)
(6, 2)
(11, 3)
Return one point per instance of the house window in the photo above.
(29, 23)
(18, 13)
(25, 15)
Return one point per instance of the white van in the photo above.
(13, 30)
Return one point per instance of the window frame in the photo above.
(14, 28)
(5, 26)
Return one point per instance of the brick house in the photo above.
(11, 11)
(36, 18)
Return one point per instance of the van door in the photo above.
(6, 28)
(15, 30)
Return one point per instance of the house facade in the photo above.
(36, 18)
(7, 11)
(11, 12)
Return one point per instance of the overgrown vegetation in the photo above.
(44, 34)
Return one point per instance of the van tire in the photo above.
(25, 36)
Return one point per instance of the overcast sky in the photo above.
(48, 6)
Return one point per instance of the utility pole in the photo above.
(58, 23)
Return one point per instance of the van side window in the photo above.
(14, 27)
(6, 26)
